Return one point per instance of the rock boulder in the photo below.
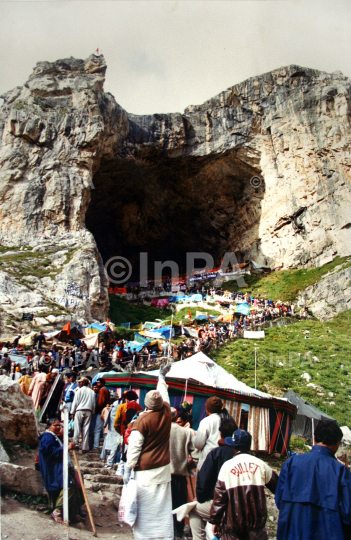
(21, 479)
(17, 416)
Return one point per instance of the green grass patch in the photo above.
(287, 352)
(123, 311)
(297, 444)
(285, 285)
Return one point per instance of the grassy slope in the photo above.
(285, 285)
(330, 342)
(123, 311)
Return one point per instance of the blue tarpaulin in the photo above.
(164, 331)
(243, 308)
(99, 327)
(191, 298)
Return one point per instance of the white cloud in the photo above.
(165, 55)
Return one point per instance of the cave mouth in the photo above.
(169, 206)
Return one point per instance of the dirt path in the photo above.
(18, 522)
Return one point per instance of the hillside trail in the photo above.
(20, 522)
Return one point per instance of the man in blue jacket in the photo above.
(51, 468)
(314, 491)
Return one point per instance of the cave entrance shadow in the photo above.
(168, 206)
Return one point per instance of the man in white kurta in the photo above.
(149, 456)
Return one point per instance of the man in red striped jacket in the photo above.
(239, 510)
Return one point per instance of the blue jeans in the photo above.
(97, 431)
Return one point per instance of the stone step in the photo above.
(105, 488)
(101, 479)
(92, 464)
(92, 471)
(90, 456)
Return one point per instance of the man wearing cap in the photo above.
(207, 435)
(239, 510)
(149, 456)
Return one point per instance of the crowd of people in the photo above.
(114, 353)
(173, 465)
(158, 448)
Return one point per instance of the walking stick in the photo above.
(84, 493)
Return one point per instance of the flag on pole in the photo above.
(67, 328)
(107, 325)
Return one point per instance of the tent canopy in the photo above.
(307, 417)
(304, 408)
(202, 369)
(91, 341)
(96, 328)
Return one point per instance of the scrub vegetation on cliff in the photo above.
(285, 285)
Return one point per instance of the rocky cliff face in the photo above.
(54, 130)
(262, 169)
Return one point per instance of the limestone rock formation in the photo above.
(262, 169)
(54, 130)
(17, 417)
(331, 295)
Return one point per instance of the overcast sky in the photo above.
(165, 55)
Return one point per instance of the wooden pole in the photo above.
(84, 493)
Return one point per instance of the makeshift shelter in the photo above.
(28, 339)
(91, 341)
(96, 328)
(243, 308)
(197, 378)
(73, 335)
(184, 298)
(307, 417)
